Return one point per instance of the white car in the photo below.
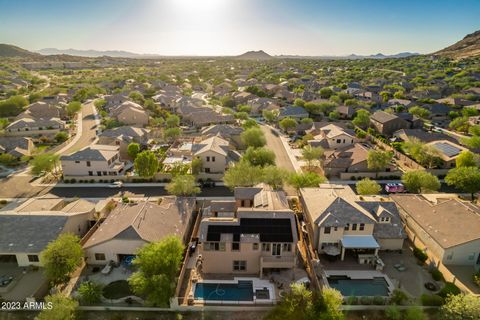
(116, 184)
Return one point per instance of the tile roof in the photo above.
(96, 152)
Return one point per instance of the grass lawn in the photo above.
(117, 290)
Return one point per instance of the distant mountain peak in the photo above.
(8, 50)
(255, 55)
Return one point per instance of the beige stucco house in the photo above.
(95, 160)
(448, 227)
(340, 221)
(333, 137)
(122, 137)
(130, 226)
(254, 234)
(130, 113)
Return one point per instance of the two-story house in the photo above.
(253, 234)
(334, 137)
(340, 221)
(95, 160)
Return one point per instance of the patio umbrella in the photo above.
(331, 250)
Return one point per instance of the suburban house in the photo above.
(43, 110)
(346, 112)
(130, 226)
(130, 113)
(339, 221)
(447, 227)
(225, 131)
(215, 153)
(16, 146)
(260, 104)
(402, 102)
(111, 101)
(448, 151)
(386, 123)
(27, 229)
(31, 127)
(332, 136)
(95, 160)
(122, 137)
(253, 234)
(293, 112)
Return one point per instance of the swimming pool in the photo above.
(239, 291)
(376, 286)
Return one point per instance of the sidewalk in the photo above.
(107, 185)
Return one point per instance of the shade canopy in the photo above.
(360, 242)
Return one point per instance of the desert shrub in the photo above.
(366, 300)
(420, 254)
(449, 289)
(398, 297)
(437, 275)
(377, 300)
(431, 300)
(476, 278)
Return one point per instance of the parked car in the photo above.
(116, 184)
(395, 188)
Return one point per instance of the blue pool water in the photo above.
(359, 287)
(241, 291)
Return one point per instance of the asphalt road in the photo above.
(282, 159)
(88, 129)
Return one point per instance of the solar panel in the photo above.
(448, 149)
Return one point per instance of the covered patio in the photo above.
(363, 242)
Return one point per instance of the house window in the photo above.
(77, 161)
(326, 230)
(89, 164)
(242, 203)
(265, 246)
(239, 265)
(90, 173)
(354, 227)
(33, 258)
(347, 227)
(208, 159)
(339, 140)
(335, 228)
(100, 256)
(450, 256)
(276, 249)
(207, 170)
(287, 247)
(213, 159)
(235, 246)
(255, 246)
(104, 173)
(213, 246)
(362, 226)
(99, 173)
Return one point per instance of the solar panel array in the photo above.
(448, 149)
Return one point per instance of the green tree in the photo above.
(466, 158)
(44, 163)
(297, 303)
(244, 108)
(73, 108)
(171, 134)
(249, 123)
(326, 93)
(288, 124)
(426, 155)
(259, 156)
(61, 136)
(270, 116)
(274, 176)
(12, 106)
(253, 137)
(157, 265)
(334, 115)
(459, 124)
(362, 119)
(461, 307)
(474, 130)
(393, 313)
(146, 164)
(241, 115)
(242, 174)
(172, 121)
(312, 155)
(137, 97)
(7, 159)
(63, 308)
(473, 142)
(464, 178)
(305, 180)
(378, 160)
(100, 103)
(90, 292)
(197, 165)
(328, 306)
(133, 149)
(183, 186)
(419, 112)
(368, 187)
(299, 102)
(61, 257)
(420, 181)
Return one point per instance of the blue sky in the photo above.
(229, 27)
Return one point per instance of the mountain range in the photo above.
(467, 47)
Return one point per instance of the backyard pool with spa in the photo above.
(377, 286)
(240, 291)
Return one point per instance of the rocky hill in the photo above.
(8, 50)
(467, 47)
(255, 55)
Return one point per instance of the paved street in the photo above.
(282, 160)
